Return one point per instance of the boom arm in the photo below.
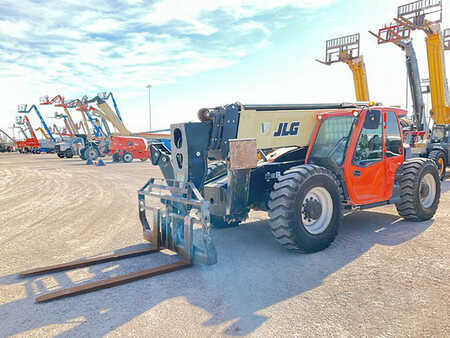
(105, 97)
(438, 84)
(7, 136)
(400, 35)
(58, 100)
(43, 133)
(107, 113)
(346, 49)
(427, 16)
(23, 109)
(358, 68)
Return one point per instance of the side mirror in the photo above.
(372, 120)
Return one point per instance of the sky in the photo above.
(195, 54)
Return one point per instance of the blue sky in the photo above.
(196, 53)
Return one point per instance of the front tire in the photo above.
(420, 189)
(127, 157)
(116, 157)
(68, 153)
(60, 155)
(440, 158)
(305, 208)
(91, 154)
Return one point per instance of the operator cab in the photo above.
(363, 147)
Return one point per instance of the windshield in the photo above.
(332, 138)
(438, 134)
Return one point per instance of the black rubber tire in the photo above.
(91, 154)
(215, 169)
(439, 157)
(410, 178)
(116, 157)
(127, 157)
(82, 154)
(60, 155)
(285, 203)
(68, 153)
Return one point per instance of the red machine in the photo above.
(127, 148)
(30, 144)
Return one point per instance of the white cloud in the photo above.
(14, 29)
(78, 47)
(103, 25)
(252, 25)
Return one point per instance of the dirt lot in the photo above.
(381, 277)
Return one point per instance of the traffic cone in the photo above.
(100, 163)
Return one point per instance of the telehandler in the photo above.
(331, 159)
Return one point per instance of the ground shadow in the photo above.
(253, 273)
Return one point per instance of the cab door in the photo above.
(364, 169)
(393, 150)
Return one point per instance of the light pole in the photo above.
(149, 86)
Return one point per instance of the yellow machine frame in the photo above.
(346, 49)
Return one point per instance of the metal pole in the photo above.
(149, 86)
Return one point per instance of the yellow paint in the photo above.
(43, 132)
(263, 124)
(86, 126)
(107, 113)
(71, 123)
(441, 165)
(358, 68)
(440, 111)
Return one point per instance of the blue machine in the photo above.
(46, 146)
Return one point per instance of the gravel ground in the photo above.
(381, 277)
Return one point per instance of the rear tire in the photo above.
(420, 189)
(91, 154)
(305, 208)
(116, 157)
(127, 157)
(60, 155)
(68, 153)
(82, 154)
(439, 157)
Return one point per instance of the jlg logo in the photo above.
(285, 130)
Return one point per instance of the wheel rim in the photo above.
(427, 190)
(441, 165)
(127, 158)
(90, 154)
(317, 210)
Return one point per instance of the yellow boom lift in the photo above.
(346, 49)
(427, 16)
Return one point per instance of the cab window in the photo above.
(393, 138)
(369, 148)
